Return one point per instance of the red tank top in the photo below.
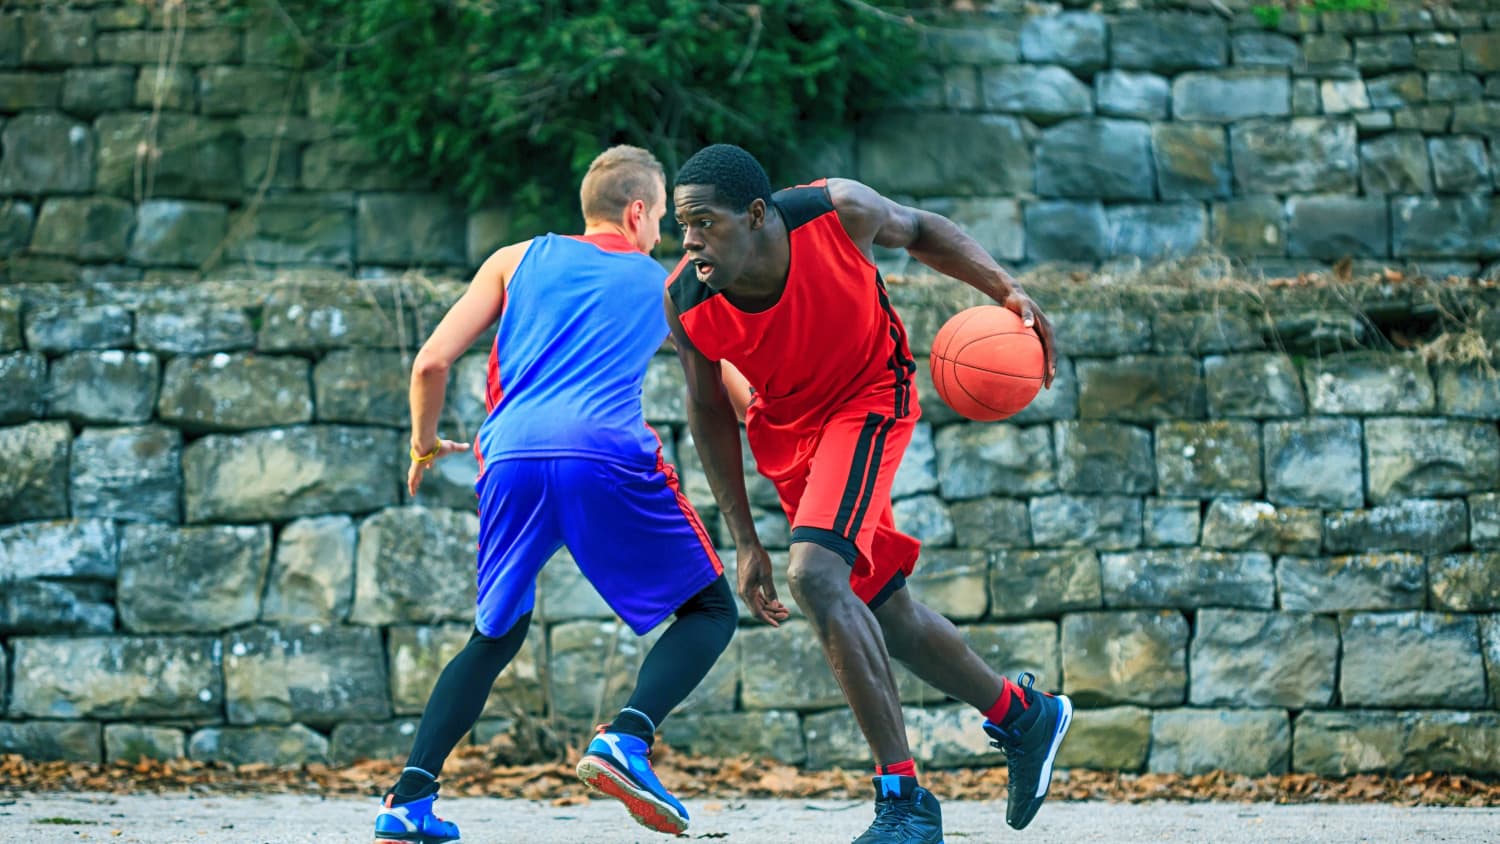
(832, 342)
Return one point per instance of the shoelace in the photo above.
(893, 816)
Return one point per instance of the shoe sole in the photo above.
(1044, 782)
(414, 838)
(645, 807)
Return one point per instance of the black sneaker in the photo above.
(1030, 745)
(905, 813)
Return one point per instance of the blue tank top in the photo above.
(582, 319)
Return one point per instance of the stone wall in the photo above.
(1242, 531)
(143, 140)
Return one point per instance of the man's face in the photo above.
(716, 240)
(649, 233)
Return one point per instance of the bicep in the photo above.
(869, 217)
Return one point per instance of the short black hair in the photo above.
(736, 177)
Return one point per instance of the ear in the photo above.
(757, 212)
(635, 213)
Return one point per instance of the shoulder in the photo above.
(855, 201)
(503, 261)
(684, 290)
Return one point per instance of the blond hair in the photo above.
(619, 176)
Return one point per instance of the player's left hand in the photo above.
(414, 474)
(1031, 315)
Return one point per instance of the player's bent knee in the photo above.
(816, 574)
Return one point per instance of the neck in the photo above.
(768, 279)
(594, 227)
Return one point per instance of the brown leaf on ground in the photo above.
(475, 772)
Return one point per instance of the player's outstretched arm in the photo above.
(474, 311)
(716, 434)
(938, 242)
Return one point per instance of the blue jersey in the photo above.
(582, 318)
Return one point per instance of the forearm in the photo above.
(717, 437)
(943, 246)
(429, 383)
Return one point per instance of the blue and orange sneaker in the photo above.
(1030, 746)
(413, 820)
(619, 765)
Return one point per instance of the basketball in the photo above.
(986, 364)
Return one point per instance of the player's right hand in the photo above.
(757, 589)
(415, 472)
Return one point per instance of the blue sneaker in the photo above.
(1030, 746)
(413, 821)
(618, 765)
(905, 813)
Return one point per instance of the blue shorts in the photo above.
(631, 530)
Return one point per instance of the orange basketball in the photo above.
(986, 364)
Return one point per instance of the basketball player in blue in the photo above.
(566, 458)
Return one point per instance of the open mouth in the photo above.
(704, 269)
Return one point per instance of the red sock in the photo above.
(1009, 707)
(900, 769)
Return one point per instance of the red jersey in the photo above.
(831, 344)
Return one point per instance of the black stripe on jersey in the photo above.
(687, 291)
(802, 205)
(902, 366)
(854, 486)
(877, 453)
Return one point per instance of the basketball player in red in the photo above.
(784, 288)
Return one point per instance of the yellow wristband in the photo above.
(420, 459)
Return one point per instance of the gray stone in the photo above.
(991, 523)
(1116, 738)
(1484, 520)
(1368, 383)
(298, 228)
(1374, 122)
(1317, 331)
(312, 573)
(275, 746)
(979, 460)
(16, 219)
(1043, 583)
(28, 269)
(70, 329)
(419, 654)
(1208, 459)
(1205, 332)
(1481, 51)
(1066, 231)
(953, 582)
(1302, 155)
(1394, 163)
(925, 518)
(350, 164)
(85, 549)
(193, 330)
(1489, 634)
(112, 678)
(57, 38)
(34, 482)
(86, 228)
(978, 43)
(1167, 42)
(1432, 526)
(283, 473)
(834, 740)
(1060, 401)
(1459, 164)
(1403, 18)
(1011, 649)
(1453, 88)
(1306, 102)
(409, 228)
(127, 474)
(1187, 741)
(1235, 525)
(1140, 389)
(1465, 582)
(1427, 457)
(23, 387)
(1389, 581)
(763, 735)
(1096, 157)
(1431, 119)
(1294, 654)
(1192, 161)
(226, 392)
(1071, 39)
(1257, 48)
(784, 668)
(1157, 230)
(71, 741)
(89, 91)
(918, 470)
(1482, 118)
(1125, 657)
(1333, 227)
(194, 578)
(164, 87)
(1329, 54)
(1343, 96)
(415, 565)
(1098, 457)
(1250, 226)
(1411, 659)
(1397, 90)
(27, 91)
(1343, 743)
(44, 606)
(1380, 53)
(1171, 523)
(1227, 96)
(178, 232)
(1188, 578)
(355, 741)
(231, 90)
(994, 223)
(110, 386)
(362, 386)
(186, 156)
(314, 675)
(593, 666)
(1314, 463)
(946, 161)
(1045, 94)
(1445, 226)
(564, 594)
(130, 743)
(46, 152)
(1123, 93)
(1101, 522)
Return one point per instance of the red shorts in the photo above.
(838, 495)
